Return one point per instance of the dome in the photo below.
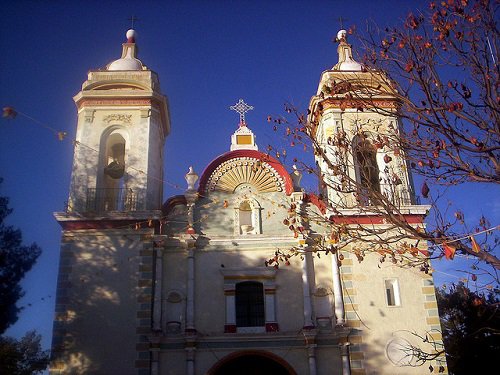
(128, 61)
(346, 62)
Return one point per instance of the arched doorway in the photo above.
(252, 363)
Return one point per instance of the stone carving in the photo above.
(116, 117)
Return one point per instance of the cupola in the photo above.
(129, 60)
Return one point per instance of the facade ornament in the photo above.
(191, 195)
(117, 117)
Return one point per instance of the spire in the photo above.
(243, 137)
(129, 60)
(346, 62)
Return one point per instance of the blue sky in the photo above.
(208, 54)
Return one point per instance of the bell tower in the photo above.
(104, 289)
(123, 120)
(354, 113)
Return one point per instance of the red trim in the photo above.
(230, 328)
(100, 224)
(314, 199)
(250, 154)
(272, 327)
(376, 219)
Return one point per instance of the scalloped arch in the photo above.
(231, 174)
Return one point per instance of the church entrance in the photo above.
(252, 363)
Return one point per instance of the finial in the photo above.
(346, 62)
(131, 35)
(341, 36)
(191, 178)
(241, 107)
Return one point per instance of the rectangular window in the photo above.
(392, 292)
(250, 304)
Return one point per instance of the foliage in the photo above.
(444, 66)
(15, 260)
(471, 329)
(426, 98)
(24, 356)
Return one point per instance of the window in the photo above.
(250, 300)
(249, 304)
(392, 292)
(367, 170)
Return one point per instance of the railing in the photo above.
(109, 199)
(399, 196)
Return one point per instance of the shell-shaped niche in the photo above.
(231, 174)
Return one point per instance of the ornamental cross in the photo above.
(133, 19)
(241, 107)
(341, 20)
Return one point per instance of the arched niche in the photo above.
(111, 193)
(247, 216)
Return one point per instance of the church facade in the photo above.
(188, 285)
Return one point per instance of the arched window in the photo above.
(367, 172)
(114, 165)
(249, 301)
(111, 193)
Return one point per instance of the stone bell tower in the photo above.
(354, 113)
(104, 288)
(123, 120)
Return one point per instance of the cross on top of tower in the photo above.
(341, 21)
(133, 19)
(241, 107)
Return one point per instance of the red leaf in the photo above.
(425, 190)
(449, 251)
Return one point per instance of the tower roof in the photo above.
(346, 62)
(129, 60)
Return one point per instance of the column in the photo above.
(346, 363)
(306, 291)
(337, 291)
(157, 301)
(190, 360)
(190, 327)
(311, 354)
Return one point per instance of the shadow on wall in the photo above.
(97, 302)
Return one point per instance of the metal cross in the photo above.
(133, 19)
(341, 23)
(241, 107)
